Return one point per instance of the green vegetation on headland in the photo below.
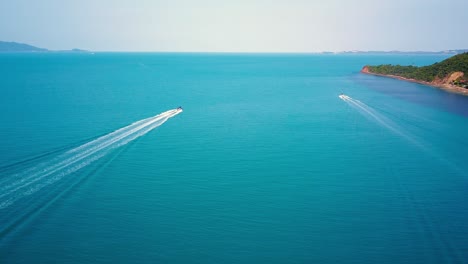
(452, 71)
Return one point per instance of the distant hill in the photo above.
(6, 47)
(18, 47)
(451, 73)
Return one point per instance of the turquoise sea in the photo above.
(266, 163)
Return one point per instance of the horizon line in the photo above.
(240, 52)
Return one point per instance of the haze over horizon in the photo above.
(241, 26)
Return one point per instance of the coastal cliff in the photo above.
(450, 74)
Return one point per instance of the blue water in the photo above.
(266, 164)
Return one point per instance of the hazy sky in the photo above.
(237, 26)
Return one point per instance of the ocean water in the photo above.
(267, 163)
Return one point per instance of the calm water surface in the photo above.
(265, 165)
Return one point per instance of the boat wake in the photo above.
(383, 121)
(16, 186)
(369, 112)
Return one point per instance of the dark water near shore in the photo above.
(265, 165)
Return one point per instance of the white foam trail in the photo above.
(80, 156)
(46, 173)
(385, 122)
(96, 144)
(110, 135)
(381, 120)
(42, 167)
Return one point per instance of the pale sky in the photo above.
(237, 26)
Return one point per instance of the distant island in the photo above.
(18, 47)
(379, 52)
(12, 47)
(450, 74)
(382, 52)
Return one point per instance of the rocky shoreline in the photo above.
(442, 84)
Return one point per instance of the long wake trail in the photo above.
(25, 183)
(399, 131)
(380, 119)
(452, 252)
